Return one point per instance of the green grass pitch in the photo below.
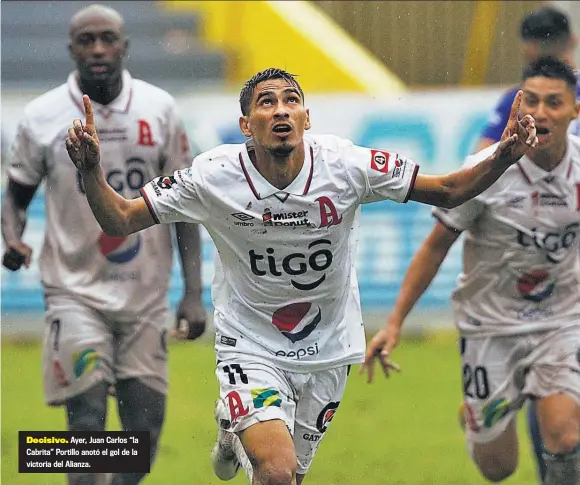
(398, 431)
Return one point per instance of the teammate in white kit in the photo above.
(544, 32)
(282, 211)
(517, 303)
(106, 297)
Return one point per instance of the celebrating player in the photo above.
(517, 304)
(282, 211)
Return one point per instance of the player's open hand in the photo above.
(190, 319)
(379, 348)
(82, 143)
(518, 136)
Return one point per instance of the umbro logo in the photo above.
(242, 219)
(242, 216)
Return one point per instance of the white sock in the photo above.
(243, 458)
(470, 447)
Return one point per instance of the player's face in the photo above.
(277, 117)
(98, 46)
(553, 105)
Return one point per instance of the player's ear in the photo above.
(307, 125)
(576, 110)
(245, 126)
(70, 50)
(126, 46)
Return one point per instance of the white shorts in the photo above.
(254, 391)
(500, 373)
(82, 346)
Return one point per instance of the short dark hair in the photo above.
(265, 75)
(546, 24)
(552, 68)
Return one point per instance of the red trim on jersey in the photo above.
(76, 102)
(250, 183)
(126, 110)
(149, 206)
(257, 195)
(451, 228)
(307, 186)
(412, 184)
(524, 173)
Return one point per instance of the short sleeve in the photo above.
(176, 153)
(462, 217)
(379, 175)
(499, 117)
(177, 197)
(28, 165)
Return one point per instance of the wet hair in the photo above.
(552, 68)
(272, 73)
(546, 24)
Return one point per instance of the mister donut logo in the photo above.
(120, 250)
(297, 320)
(536, 285)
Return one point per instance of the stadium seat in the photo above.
(163, 47)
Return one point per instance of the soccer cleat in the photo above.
(223, 457)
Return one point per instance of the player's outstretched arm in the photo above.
(423, 268)
(116, 215)
(458, 187)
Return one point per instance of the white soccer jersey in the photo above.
(286, 288)
(141, 136)
(521, 268)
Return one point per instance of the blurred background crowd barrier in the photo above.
(418, 78)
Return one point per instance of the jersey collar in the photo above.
(119, 105)
(532, 173)
(262, 189)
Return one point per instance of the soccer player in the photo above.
(517, 304)
(106, 297)
(282, 211)
(544, 32)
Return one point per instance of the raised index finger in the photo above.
(515, 109)
(89, 118)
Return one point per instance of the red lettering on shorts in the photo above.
(236, 406)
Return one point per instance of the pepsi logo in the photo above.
(297, 320)
(536, 285)
(119, 250)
